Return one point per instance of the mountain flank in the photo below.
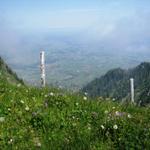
(116, 84)
(7, 75)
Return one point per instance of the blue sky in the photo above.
(45, 14)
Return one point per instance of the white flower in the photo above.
(129, 116)
(86, 93)
(113, 99)
(89, 128)
(115, 127)
(102, 127)
(117, 113)
(38, 144)
(9, 109)
(106, 112)
(77, 104)
(10, 141)
(85, 98)
(2, 119)
(27, 108)
(51, 94)
(22, 101)
(18, 85)
(46, 96)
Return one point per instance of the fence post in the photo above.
(132, 89)
(42, 66)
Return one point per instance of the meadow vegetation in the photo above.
(32, 118)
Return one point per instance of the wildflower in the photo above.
(113, 99)
(2, 119)
(86, 93)
(85, 98)
(89, 128)
(115, 127)
(102, 127)
(38, 144)
(27, 108)
(46, 96)
(129, 116)
(9, 109)
(22, 101)
(10, 141)
(106, 112)
(18, 85)
(51, 94)
(77, 104)
(117, 113)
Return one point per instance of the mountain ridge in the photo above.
(116, 84)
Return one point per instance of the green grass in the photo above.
(32, 118)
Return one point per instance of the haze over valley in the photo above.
(81, 43)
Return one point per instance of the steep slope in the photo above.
(7, 75)
(32, 118)
(115, 84)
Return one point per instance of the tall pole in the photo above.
(132, 89)
(42, 66)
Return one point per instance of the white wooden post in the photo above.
(42, 66)
(132, 89)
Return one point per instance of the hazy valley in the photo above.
(70, 62)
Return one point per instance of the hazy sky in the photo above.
(48, 14)
(116, 24)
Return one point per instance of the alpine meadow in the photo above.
(75, 75)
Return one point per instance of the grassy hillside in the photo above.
(7, 74)
(116, 84)
(32, 118)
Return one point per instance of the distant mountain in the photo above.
(7, 75)
(116, 84)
